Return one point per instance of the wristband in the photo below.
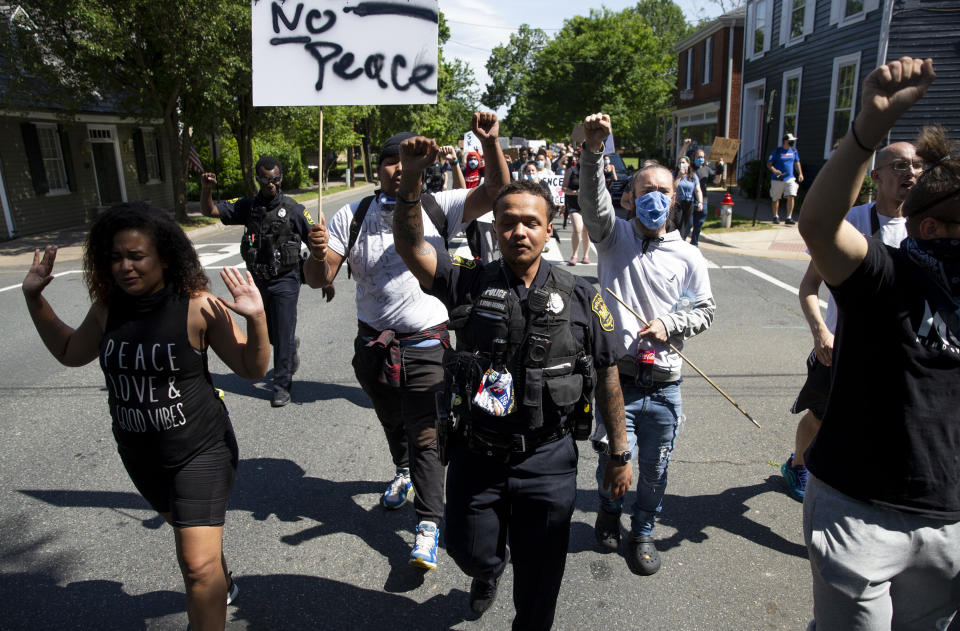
(412, 202)
(856, 139)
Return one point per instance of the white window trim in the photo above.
(751, 29)
(707, 69)
(688, 79)
(809, 14)
(837, 62)
(153, 132)
(836, 12)
(790, 74)
(53, 192)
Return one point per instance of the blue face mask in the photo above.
(539, 164)
(530, 176)
(698, 162)
(653, 209)
(473, 164)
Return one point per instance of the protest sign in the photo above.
(472, 143)
(724, 149)
(555, 184)
(344, 52)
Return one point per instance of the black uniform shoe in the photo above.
(607, 530)
(642, 555)
(482, 594)
(281, 397)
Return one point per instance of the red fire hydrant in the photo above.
(726, 211)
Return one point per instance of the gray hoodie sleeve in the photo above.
(596, 208)
(686, 324)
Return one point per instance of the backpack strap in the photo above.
(357, 222)
(433, 210)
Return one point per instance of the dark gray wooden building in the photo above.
(811, 57)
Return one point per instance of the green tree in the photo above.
(154, 59)
(509, 67)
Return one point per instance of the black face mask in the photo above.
(792, 143)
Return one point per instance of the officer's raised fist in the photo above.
(208, 180)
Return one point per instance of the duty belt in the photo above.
(505, 445)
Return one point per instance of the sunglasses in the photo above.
(263, 179)
(902, 166)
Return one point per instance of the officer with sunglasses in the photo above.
(276, 225)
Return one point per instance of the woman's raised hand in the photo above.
(246, 297)
(40, 273)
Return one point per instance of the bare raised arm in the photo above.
(246, 355)
(415, 155)
(207, 207)
(837, 248)
(69, 346)
(496, 172)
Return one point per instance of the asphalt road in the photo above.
(310, 546)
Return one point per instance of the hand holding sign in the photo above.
(485, 126)
(596, 128)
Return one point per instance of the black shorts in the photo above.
(195, 494)
(816, 390)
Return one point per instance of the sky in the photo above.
(477, 26)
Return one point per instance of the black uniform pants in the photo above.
(527, 502)
(408, 415)
(280, 296)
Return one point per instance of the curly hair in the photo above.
(531, 188)
(183, 273)
(940, 180)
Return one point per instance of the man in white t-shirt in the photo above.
(896, 169)
(665, 280)
(402, 332)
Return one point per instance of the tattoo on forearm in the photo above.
(610, 401)
(408, 224)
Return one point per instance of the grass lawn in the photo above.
(738, 224)
(311, 195)
(197, 221)
(632, 162)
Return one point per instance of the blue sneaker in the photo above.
(399, 491)
(425, 547)
(795, 477)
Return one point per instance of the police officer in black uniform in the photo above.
(513, 460)
(276, 225)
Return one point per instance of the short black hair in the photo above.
(268, 163)
(530, 188)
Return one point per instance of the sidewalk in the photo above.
(778, 242)
(18, 253)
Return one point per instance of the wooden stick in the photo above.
(320, 167)
(683, 357)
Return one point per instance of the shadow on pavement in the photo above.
(302, 391)
(691, 516)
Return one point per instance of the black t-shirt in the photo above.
(891, 430)
(457, 279)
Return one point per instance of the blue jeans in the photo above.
(653, 418)
(699, 216)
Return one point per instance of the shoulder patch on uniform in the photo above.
(459, 261)
(599, 307)
(306, 215)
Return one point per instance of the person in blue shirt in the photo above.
(783, 163)
(689, 197)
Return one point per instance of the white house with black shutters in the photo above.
(59, 168)
(811, 57)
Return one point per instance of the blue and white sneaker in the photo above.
(399, 492)
(795, 477)
(425, 547)
(233, 592)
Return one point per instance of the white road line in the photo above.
(767, 277)
(57, 275)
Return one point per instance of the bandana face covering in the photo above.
(653, 209)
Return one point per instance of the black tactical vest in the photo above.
(269, 246)
(550, 369)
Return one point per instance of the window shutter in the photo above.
(870, 5)
(836, 6)
(786, 10)
(31, 146)
(140, 156)
(67, 157)
(156, 140)
(809, 16)
(771, 30)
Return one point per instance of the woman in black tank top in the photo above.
(579, 236)
(150, 324)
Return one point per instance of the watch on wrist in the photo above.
(621, 457)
